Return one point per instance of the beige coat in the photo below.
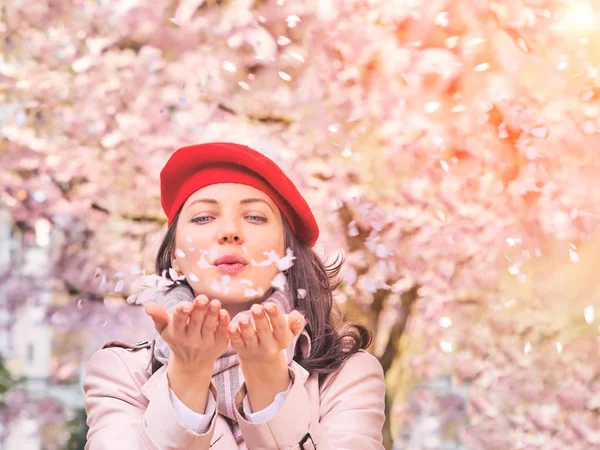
(128, 408)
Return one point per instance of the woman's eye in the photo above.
(200, 219)
(257, 218)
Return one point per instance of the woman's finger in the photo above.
(237, 342)
(180, 316)
(211, 320)
(296, 322)
(197, 316)
(222, 333)
(278, 322)
(261, 324)
(158, 315)
(247, 331)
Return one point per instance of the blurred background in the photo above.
(449, 148)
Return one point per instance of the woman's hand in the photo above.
(261, 351)
(273, 331)
(196, 332)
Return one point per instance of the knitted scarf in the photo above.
(227, 374)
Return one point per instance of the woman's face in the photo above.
(229, 220)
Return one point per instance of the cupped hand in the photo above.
(197, 332)
(272, 332)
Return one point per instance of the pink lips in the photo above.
(230, 264)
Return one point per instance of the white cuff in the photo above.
(267, 413)
(200, 423)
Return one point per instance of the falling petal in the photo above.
(193, 277)
(119, 286)
(540, 132)
(513, 241)
(588, 313)
(446, 346)
(246, 282)
(249, 292)
(284, 76)
(445, 322)
(296, 56)
(292, 20)
(229, 66)
(573, 255)
(301, 293)
(203, 264)
(226, 279)
(215, 286)
(179, 253)
(559, 347)
(266, 262)
(527, 348)
(381, 251)
(287, 261)
(279, 281)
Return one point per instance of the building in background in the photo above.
(26, 339)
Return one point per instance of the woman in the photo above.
(261, 365)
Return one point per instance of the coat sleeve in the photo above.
(120, 416)
(350, 416)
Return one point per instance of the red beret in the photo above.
(196, 166)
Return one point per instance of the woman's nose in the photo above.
(227, 237)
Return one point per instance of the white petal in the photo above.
(215, 286)
(203, 264)
(287, 261)
(279, 281)
(265, 263)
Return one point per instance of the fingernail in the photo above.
(270, 308)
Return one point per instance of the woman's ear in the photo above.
(174, 261)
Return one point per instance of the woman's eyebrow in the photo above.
(254, 200)
(242, 202)
(202, 200)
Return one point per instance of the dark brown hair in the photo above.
(330, 347)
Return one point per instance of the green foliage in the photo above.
(77, 428)
(7, 381)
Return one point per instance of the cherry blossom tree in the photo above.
(448, 149)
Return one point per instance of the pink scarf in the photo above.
(227, 375)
